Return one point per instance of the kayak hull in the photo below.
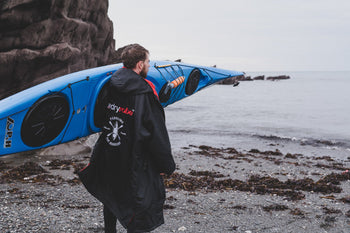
(62, 109)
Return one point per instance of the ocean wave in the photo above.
(327, 143)
(314, 142)
(181, 131)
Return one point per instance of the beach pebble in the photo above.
(62, 207)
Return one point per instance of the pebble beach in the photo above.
(214, 189)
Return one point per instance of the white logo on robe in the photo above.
(113, 137)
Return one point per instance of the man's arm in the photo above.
(158, 142)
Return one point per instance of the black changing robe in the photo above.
(132, 151)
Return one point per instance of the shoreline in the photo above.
(213, 190)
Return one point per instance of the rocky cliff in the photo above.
(44, 39)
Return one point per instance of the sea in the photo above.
(307, 114)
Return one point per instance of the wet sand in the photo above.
(213, 190)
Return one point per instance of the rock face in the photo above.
(44, 39)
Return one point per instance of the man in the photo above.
(133, 149)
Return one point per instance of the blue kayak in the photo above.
(62, 109)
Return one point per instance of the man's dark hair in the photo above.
(132, 54)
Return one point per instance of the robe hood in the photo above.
(128, 82)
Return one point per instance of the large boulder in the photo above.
(44, 39)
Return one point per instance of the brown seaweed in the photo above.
(258, 184)
(275, 207)
(21, 172)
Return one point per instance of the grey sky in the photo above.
(247, 35)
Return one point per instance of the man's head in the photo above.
(136, 57)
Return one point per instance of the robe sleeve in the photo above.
(156, 135)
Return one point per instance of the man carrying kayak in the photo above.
(133, 150)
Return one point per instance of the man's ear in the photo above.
(140, 65)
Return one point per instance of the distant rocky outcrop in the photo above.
(261, 77)
(235, 80)
(280, 77)
(44, 39)
(244, 78)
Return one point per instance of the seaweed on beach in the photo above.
(213, 151)
(327, 158)
(305, 184)
(24, 171)
(331, 211)
(335, 166)
(239, 207)
(171, 198)
(47, 179)
(3, 166)
(258, 184)
(233, 154)
(347, 214)
(275, 156)
(292, 156)
(209, 151)
(345, 199)
(74, 181)
(297, 212)
(275, 207)
(208, 183)
(168, 207)
(206, 173)
(58, 164)
(14, 191)
(31, 172)
(78, 167)
(335, 178)
(274, 153)
(74, 206)
(228, 153)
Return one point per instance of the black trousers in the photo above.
(111, 222)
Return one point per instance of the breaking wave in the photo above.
(326, 143)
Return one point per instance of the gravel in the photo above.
(59, 205)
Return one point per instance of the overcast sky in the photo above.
(246, 35)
